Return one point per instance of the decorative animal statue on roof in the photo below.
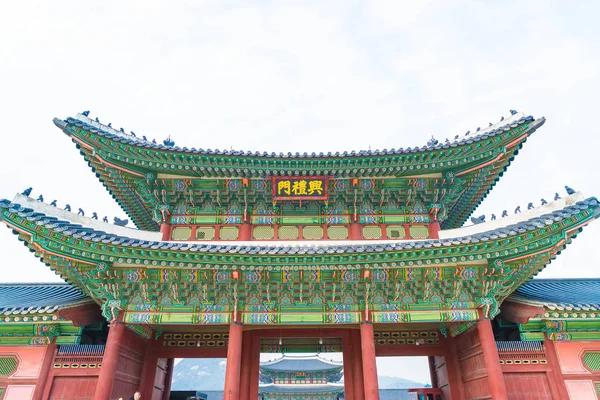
(529, 206)
(168, 142)
(490, 124)
(94, 215)
(110, 124)
(97, 120)
(502, 119)
(80, 212)
(53, 204)
(143, 137)
(27, 192)
(133, 134)
(513, 112)
(432, 142)
(478, 129)
(68, 207)
(121, 222)
(478, 220)
(86, 113)
(569, 190)
(518, 210)
(504, 213)
(544, 201)
(121, 130)
(556, 196)
(40, 198)
(105, 219)
(493, 217)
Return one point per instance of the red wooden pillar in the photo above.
(42, 381)
(246, 371)
(355, 232)
(552, 357)
(357, 369)
(109, 361)
(367, 342)
(169, 378)
(149, 370)
(434, 230)
(491, 360)
(234, 361)
(245, 232)
(347, 354)
(254, 368)
(165, 229)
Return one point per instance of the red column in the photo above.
(434, 229)
(246, 370)
(110, 361)
(555, 365)
(355, 232)
(234, 361)
(169, 378)
(254, 368)
(165, 229)
(149, 370)
(347, 354)
(357, 369)
(491, 360)
(42, 380)
(367, 342)
(245, 232)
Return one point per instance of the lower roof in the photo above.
(560, 294)
(40, 298)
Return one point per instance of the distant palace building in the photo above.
(292, 378)
(234, 253)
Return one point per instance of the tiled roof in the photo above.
(78, 231)
(561, 294)
(301, 364)
(29, 298)
(110, 133)
(301, 388)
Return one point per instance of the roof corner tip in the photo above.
(62, 124)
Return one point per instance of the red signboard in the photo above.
(300, 188)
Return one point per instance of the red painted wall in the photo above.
(527, 386)
(73, 388)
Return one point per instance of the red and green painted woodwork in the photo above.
(443, 281)
(573, 326)
(442, 182)
(22, 330)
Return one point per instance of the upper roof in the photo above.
(301, 363)
(123, 162)
(560, 294)
(30, 298)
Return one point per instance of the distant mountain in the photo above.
(393, 382)
(209, 374)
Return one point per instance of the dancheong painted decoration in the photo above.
(236, 253)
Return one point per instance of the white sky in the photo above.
(299, 76)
